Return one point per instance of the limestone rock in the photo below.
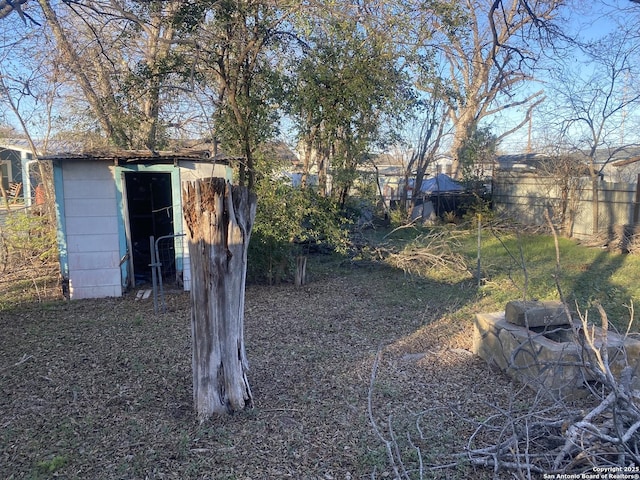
(536, 314)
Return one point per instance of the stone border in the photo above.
(540, 362)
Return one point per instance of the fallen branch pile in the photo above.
(435, 250)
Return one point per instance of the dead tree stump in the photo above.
(219, 218)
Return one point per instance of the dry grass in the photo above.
(101, 389)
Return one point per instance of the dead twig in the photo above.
(391, 446)
(433, 251)
(24, 358)
(411, 224)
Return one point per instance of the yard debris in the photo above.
(143, 294)
(122, 396)
(24, 358)
(435, 250)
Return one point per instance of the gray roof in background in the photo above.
(616, 156)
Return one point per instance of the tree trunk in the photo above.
(463, 125)
(323, 161)
(219, 218)
(103, 107)
(595, 204)
(301, 270)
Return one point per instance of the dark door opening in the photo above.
(150, 202)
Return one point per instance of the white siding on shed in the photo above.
(91, 229)
(92, 243)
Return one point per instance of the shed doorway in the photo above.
(150, 213)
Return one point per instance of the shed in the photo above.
(108, 205)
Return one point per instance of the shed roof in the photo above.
(143, 156)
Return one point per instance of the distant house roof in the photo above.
(281, 151)
(618, 156)
(521, 161)
(391, 171)
(17, 144)
(387, 159)
(22, 144)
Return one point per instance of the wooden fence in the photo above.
(525, 197)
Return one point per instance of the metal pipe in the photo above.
(26, 181)
(159, 264)
(153, 266)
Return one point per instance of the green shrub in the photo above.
(27, 239)
(289, 222)
(53, 465)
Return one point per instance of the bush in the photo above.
(27, 239)
(290, 221)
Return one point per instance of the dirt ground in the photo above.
(101, 389)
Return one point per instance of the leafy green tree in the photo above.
(289, 220)
(234, 48)
(477, 153)
(348, 96)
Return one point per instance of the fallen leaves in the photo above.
(106, 384)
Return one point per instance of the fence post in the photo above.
(636, 204)
(153, 265)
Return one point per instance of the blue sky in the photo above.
(590, 21)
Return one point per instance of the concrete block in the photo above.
(536, 314)
(552, 362)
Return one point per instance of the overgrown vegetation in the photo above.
(399, 304)
(26, 239)
(290, 222)
(28, 257)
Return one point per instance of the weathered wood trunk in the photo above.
(219, 218)
(301, 270)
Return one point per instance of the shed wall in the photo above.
(90, 211)
(90, 224)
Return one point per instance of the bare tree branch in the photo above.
(9, 6)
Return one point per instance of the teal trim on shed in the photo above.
(176, 198)
(176, 205)
(61, 235)
(123, 246)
